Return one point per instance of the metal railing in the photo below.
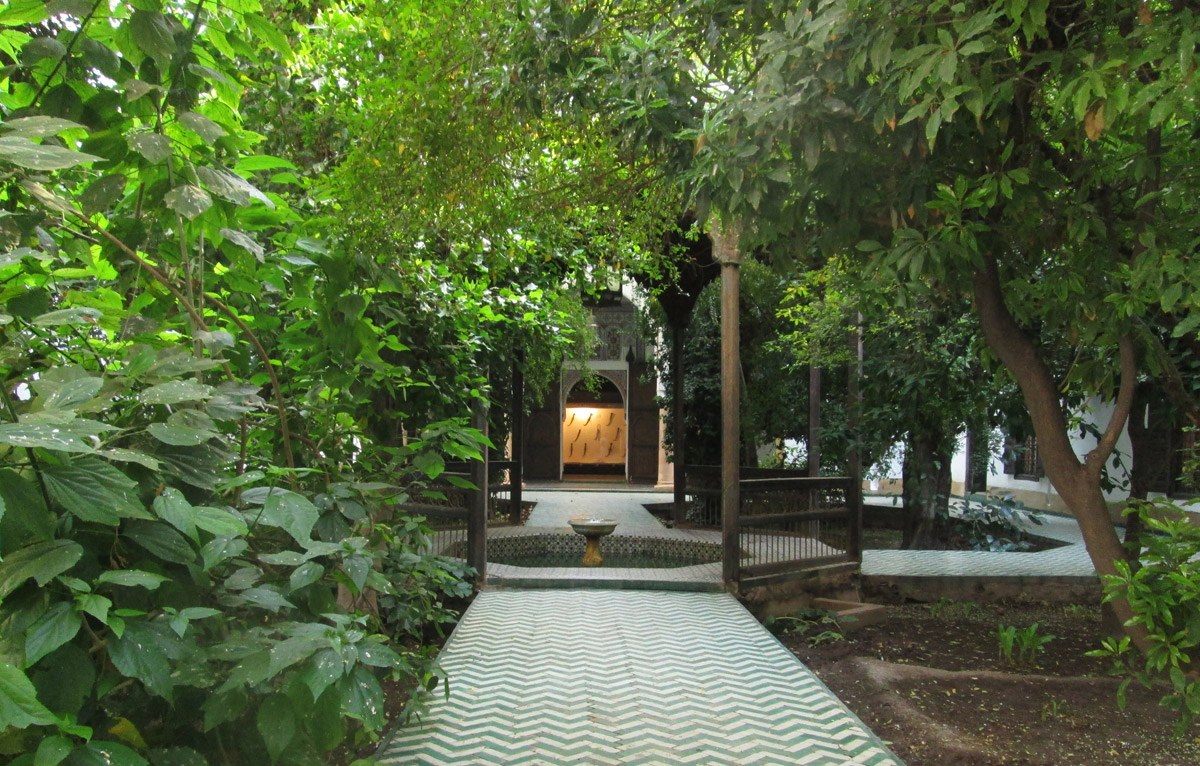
(787, 522)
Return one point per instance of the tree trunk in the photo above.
(1077, 482)
(926, 491)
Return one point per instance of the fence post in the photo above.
(477, 521)
(517, 472)
(854, 410)
(725, 251)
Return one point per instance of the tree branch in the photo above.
(1095, 460)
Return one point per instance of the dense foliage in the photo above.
(215, 385)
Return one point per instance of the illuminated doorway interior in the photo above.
(595, 433)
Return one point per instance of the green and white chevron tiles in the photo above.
(627, 677)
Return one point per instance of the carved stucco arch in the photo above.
(619, 378)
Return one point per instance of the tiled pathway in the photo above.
(627, 677)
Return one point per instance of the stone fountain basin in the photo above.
(593, 527)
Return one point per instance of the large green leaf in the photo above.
(176, 391)
(154, 33)
(69, 393)
(231, 186)
(52, 751)
(102, 193)
(218, 521)
(64, 679)
(20, 12)
(93, 490)
(292, 513)
(26, 519)
(60, 431)
(132, 578)
(153, 146)
(188, 200)
(142, 652)
(208, 130)
(173, 508)
(362, 698)
(97, 753)
(277, 724)
(19, 705)
(56, 627)
(38, 126)
(41, 561)
(24, 153)
(161, 540)
(176, 756)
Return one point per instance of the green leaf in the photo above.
(176, 391)
(291, 512)
(56, 430)
(153, 33)
(208, 130)
(142, 653)
(223, 707)
(173, 508)
(40, 48)
(306, 574)
(244, 241)
(129, 456)
(188, 200)
(362, 698)
(41, 561)
(267, 597)
(154, 147)
(103, 193)
(64, 680)
(180, 436)
(70, 393)
(38, 127)
(429, 463)
(269, 33)
(53, 751)
(56, 627)
(22, 152)
(231, 186)
(93, 490)
(78, 315)
(19, 706)
(218, 521)
(18, 13)
(276, 721)
(111, 754)
(26, 519)
(132, 578)
(161, 540)
(321, 671)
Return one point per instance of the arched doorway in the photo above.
(595, 435)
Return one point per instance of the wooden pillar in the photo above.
(517, 473)
(725, 251)
(477, 520)
(679, 511)
(854, 455)
(814, 420)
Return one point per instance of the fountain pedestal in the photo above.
(593, 530)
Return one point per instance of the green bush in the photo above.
(1164, 590)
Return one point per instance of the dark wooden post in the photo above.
(679, 511)
(725, 250)
(854, 456)
(814, 420)
(477, 521)
(517, 473)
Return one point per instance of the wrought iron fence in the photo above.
(787, 522)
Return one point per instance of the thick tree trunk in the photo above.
(1077, 482)
(926, 492)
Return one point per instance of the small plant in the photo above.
(1030, 644)
(1006, 635)
(1021, 644)
(940, 608)
(1056, 708)
(807, 623)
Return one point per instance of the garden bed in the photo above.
(933, 681)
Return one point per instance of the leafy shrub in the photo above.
(992, 523)
(1164, 591)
